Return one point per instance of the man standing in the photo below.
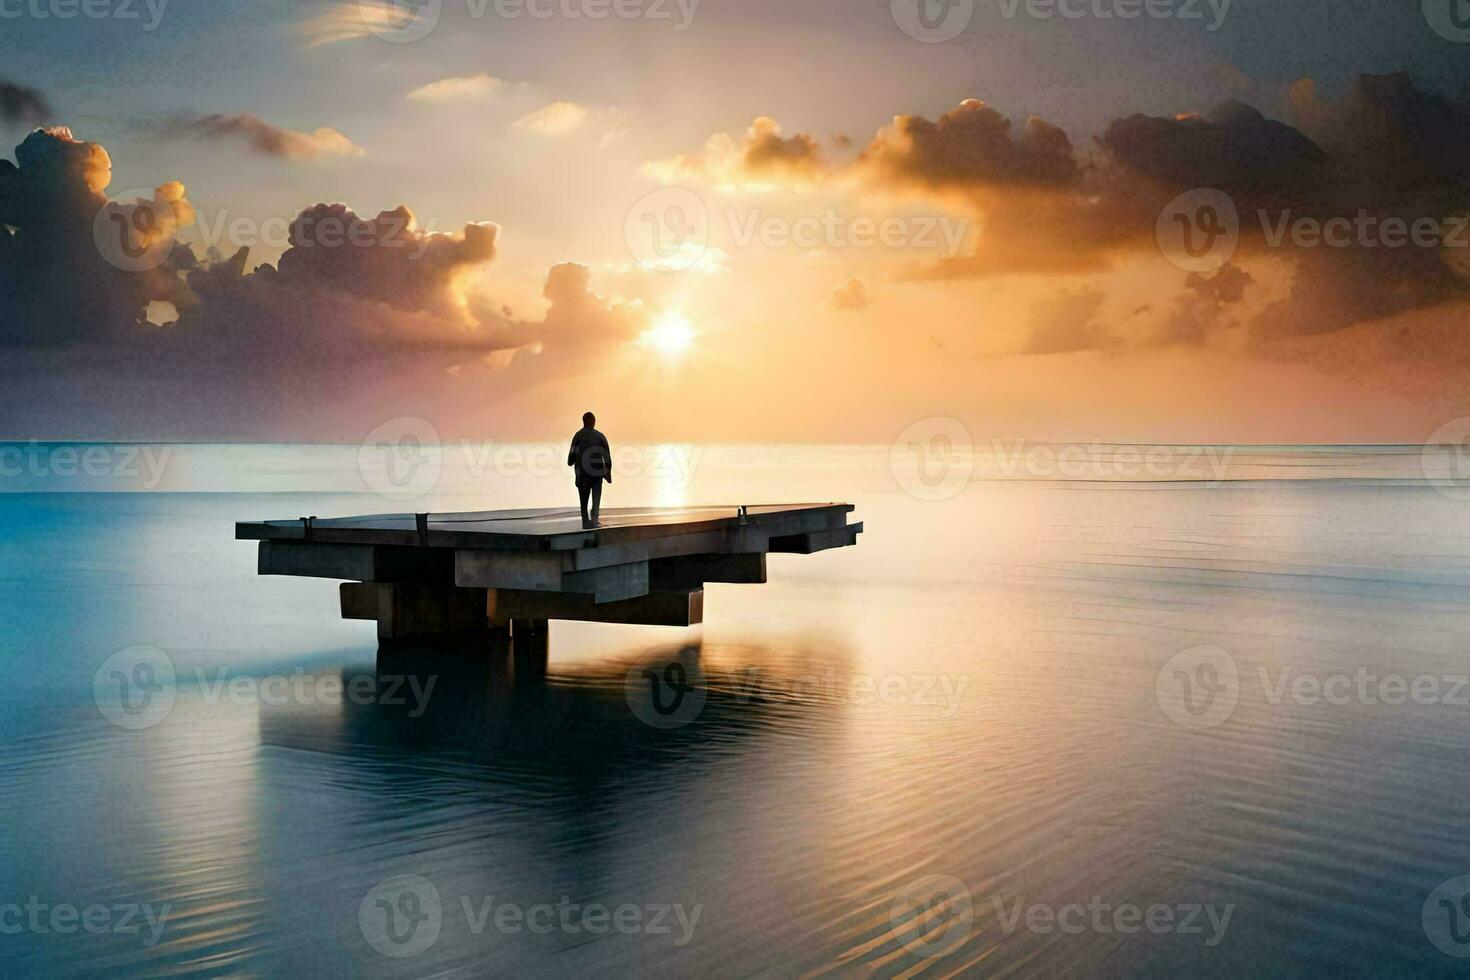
(591, 460)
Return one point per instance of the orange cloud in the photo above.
(761, 159)
(458, 87)
(556, 119)
(849, 297)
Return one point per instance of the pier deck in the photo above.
(422, 575)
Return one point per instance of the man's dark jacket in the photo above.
(590, 456)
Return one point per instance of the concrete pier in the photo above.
(499, 577)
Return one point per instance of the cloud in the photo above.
(580, 323)
(1335, 288)
(350, 286)
(1386, 151)
(1235, 149)
(1394, 152)
(1199, 312)
(849, 297)
(763, 157)
(21, 105)
(262, 137)
(1391, 141)
(969, 148)
(350, 20)
(1067, 323)
(459, 87)
(386, 258)
(556, 119)
(354, 306)
(56, 281)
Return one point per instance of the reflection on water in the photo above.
(1037, 727)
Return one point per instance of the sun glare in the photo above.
(671, 335)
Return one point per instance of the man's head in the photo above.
(589, 420)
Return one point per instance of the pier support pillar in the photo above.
(528, 638)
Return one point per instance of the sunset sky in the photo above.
(1018, 172)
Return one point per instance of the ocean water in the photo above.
(1114, 711)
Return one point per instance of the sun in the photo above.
(671, 335)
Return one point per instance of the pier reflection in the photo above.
(573, 738)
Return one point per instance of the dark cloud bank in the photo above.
(1387, 149)
(362, 317)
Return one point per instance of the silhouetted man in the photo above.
(591, 460)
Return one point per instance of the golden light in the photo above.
(671, 335)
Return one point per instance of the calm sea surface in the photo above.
(1095, 712)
